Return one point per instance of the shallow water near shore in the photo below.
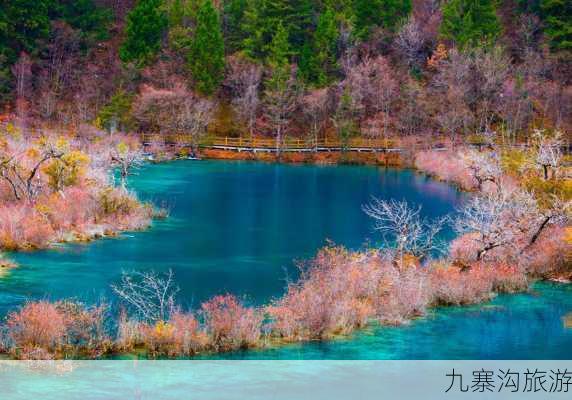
(238, 227)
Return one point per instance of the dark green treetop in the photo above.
(262, 17)
(146, 24)
(470, 23)
(379, 13)
(557, 17)
(206, 58)
(318, 60)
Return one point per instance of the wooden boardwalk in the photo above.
(269, 145)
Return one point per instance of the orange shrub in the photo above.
(551, 253)
(229, 324)
(452, 285)
(180, 336)
(44, 329)
(447, 166)
(342, 291)
(39, 324)
(21, 227)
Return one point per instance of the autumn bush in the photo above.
(229, 324)
(121, 209)
(447, 166)
(58, 188)
(551, 254)
(23, 227)
(56, 329)
(341, 291)
(455, 285)
(182, 335)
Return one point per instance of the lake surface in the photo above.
(238, 227)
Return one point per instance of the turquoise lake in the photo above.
(239, 227)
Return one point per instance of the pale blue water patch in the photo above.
(234, 227)
(523, 326)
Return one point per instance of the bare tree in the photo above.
(412, 115)
(548, 153)
(558, 211)
(497, 219)
(175, 110)
(410, 43)
(403, 228)
(454, 116)
(59, 67)
(452, 85)
(516, 107)
(315, 108)
(127, 159)
(150, 295)
(22, 71)
(484, 167)
(23, 177)
(372, 85)
(281, 101)
(490, 71)
(194, 118)
(244, 79)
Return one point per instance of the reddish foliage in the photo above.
(38, 324)
(447, 166)
(229, 324)
(473, 284)
(551, 254)
(21, 226)
(342, 291)
(41, 329)
(181, 335)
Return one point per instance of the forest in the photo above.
(277, 68)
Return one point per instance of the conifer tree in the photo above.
(92, 20)
(263, 16)
(318, 59)
(146, 24)
(379, 13)
(206, 57)
(181, 16)
(22, 24)
(557, 16)
(234, 11)
(470, 23)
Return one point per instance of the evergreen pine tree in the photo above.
(22, 24)
(557, 16)
(470, 23)
(181, 15)
(234, 11)
(206, 57)
(379, 13)
(92, 20)
(146, 24)
(278, 58)
(263, 16)
(318, 60)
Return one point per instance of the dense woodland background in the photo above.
(302, 68)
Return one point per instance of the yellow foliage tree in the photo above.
(67, 170)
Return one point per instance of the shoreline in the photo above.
(278, 341)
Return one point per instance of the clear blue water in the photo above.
(238, 227)
(511, 327)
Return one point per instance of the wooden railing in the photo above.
(270, 143)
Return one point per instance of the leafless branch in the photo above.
(150, 295)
